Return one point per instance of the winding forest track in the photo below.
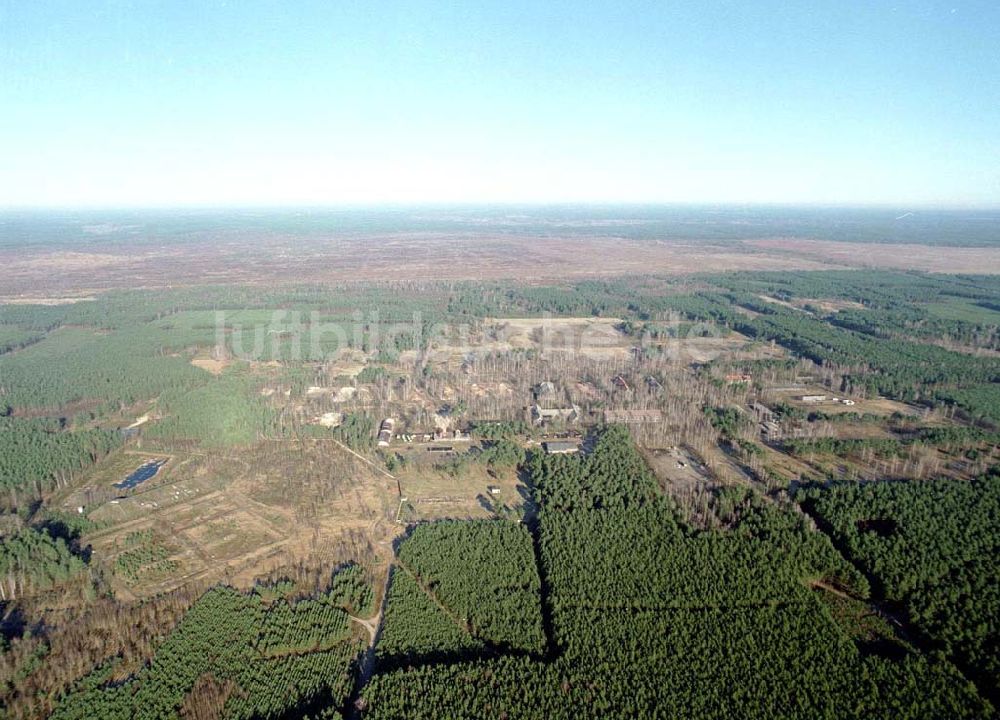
(371, 625)
(366, 666)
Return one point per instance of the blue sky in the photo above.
(244, 103)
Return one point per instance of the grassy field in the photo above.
(236, 514)
(965, 311)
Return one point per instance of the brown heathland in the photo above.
(409, 256)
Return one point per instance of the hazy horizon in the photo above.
(389, 206)
(646, 223)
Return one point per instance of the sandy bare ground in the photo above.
(209, 364)
(50, 301)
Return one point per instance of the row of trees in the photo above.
(15, 338)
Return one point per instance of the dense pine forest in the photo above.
(650, 618)
(933, 550)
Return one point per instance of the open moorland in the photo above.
(59, 258)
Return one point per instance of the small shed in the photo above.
(560, 447)
(386, 431)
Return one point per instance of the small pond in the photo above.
(141, 474)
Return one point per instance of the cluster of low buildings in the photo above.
(386, 434)
(541, 415)
(545, 410)
(436, 436)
